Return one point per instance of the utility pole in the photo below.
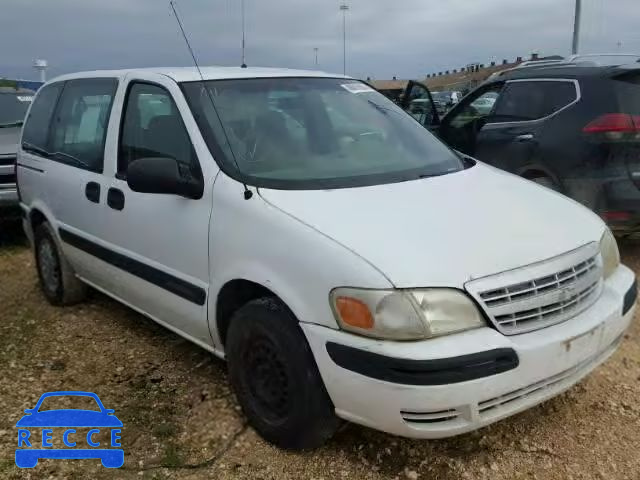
(244, 64)
(343, 8)
(315, 49)
(576, 28)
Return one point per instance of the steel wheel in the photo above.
(49, 266)
(268, 380)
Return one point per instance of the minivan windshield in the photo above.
(313, 133)
(13, 107)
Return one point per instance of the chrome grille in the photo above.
(7, 171)
(542, 294)
(7, 161)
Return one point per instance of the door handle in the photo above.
(92, 192)
(525, 137)
(115, 199)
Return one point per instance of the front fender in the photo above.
(255, 241)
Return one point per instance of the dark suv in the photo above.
(573, 128)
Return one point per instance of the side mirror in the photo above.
(29, 410)
(109, 411)
(162, 175)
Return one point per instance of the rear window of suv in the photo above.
(528, 100)
(628, 92)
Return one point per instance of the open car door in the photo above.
(418, 102)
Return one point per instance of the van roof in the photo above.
(190, 74)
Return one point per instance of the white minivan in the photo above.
(345, 262)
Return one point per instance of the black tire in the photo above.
(275, 377)
(58, 281)
(546, 182)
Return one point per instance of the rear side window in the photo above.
(627, 89)
(532, 100)
(36, 129)
(152, 127)
(79, 127)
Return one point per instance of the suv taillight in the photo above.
(615, 127)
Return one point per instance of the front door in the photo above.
(418, 102)
(461, 127)
(160, 258)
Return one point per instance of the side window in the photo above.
(557, 95)
(79, 126)
(479, 108)
(152, 127)
(532, 100)
(36, 128)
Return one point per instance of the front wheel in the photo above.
(275, 377)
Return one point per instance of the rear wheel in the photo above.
(275, 377)
(546, 182)
(57, 278)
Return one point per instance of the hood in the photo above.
(444, 231)
(69, 418)
(9, 137)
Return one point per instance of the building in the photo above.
(390, 88)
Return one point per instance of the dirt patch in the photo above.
(181, 419)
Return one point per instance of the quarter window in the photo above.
(152, 127)
(80, 123)
(36, 128)
(526, 101)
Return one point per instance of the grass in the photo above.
(6, 465)
(172, 457)
(165, 430)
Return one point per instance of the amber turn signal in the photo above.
(354, 312)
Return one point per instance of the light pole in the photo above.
(343, 8)
(315, 50)
(244, 64)
(576, 28)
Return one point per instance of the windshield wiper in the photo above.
(29, 147)
(17, 123)
(77, 161)
(380, 108)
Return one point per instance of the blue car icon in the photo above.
(28, 456)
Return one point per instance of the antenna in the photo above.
(247, 193)
(244, 64)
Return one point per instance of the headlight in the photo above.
(404, 314)
(610, 253)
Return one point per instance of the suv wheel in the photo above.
(275, 377)
(546, 182)
(57, 279)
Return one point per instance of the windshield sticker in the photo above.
(24, 98)
(357, 88)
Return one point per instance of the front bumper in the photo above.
(550, 360)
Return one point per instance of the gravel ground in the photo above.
(181, 420)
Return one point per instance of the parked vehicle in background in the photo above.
(442, 102)
(13, 108)
(343, 260)
(484, 104)
(574, 128)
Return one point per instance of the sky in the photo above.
(385, 38)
